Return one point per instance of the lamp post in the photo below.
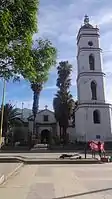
(86, 130)
(2, 111)
(85, 151)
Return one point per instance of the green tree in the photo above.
(73, 114)
(63, 102)
(44, 57)
(10, 118)
(18, 22)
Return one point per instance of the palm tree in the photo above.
(9, 117)
(36, 88)
(63, 112)
(63, 102)
(57, 111)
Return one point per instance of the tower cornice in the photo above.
(93, 73)
(93, 105)
(88, 49)
(89, 34)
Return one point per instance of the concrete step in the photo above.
(26, 160)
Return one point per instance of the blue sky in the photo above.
(59, 21)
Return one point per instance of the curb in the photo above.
(23, 161)
(4, 178)
(60, 162)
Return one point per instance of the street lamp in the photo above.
(86, 130)
(85, 146)
(2, 111)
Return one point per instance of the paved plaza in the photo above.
(59, 182)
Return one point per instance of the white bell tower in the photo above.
(93, 119)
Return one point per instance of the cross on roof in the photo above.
(46, 106)
(86, 19)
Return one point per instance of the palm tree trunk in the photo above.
(64, 135)
(34, 126)
(60, 132)
(35, 110)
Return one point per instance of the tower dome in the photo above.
(86, 25)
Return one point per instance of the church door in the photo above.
(45, 136)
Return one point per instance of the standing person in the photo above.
(99, 148)
(92, 147)
(103, 149)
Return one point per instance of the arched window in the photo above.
(96, 117)
(91, 62)
(93, 90)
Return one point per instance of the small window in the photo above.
(90, 43)
(93, 90)
(96, 117)
(45, 118)
(91, 62)
(97, 136)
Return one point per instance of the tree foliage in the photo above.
(63, 102)
(18, 22)
(44, 57)
(10, 117)
(73, 114)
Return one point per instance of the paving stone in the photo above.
(41, 191)
(44, 171)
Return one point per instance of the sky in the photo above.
(59, 21)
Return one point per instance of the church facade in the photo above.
(92, 114)
(47, 128)
(46, 125)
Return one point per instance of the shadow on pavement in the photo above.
(84, 193)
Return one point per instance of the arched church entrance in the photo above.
(45, 136)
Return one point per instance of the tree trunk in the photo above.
(35, 110)
(5, 130)
(34, 126)
(60, 132)
(64, 135)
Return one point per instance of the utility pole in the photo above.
(86, 130)
(85, 146)
(22, 110)
(2, 111)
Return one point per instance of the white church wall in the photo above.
(110, 113)
(103, 129)
(80, 124)
(72, 134)
(40, 117)
(83, 61)
(43, 124)
(83, 42)
(89, 128)
(88, 31)
(84, 89)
